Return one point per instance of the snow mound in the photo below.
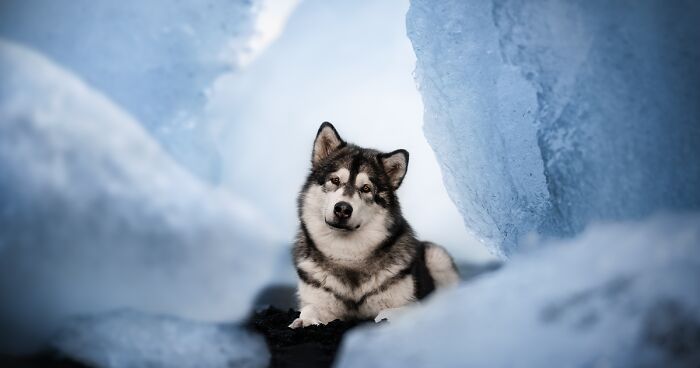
(546, 115)
(618, 295)
(128, 339)
(156, 59)
(94, 215)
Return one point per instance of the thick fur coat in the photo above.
(355, 254)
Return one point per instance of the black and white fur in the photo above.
(355, 254)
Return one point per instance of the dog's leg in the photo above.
(441, 266)
(309, 316)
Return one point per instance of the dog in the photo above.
(355, 254)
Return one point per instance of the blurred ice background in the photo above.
(151, 153)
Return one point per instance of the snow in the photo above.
(94, 215)
(546, 115)
(126, 339)
(155, 59)
(618, 295)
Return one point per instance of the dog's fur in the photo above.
(358, 265)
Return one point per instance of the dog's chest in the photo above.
(362, 293)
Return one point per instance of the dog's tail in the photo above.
(440, 265)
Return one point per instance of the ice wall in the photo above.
(547, 115)
(155, 59)
(622, 295)
(94, 215)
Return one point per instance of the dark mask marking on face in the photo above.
(354, 170)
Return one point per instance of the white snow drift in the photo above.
(94, 215)
(621, 295)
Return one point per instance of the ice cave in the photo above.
(151, 154)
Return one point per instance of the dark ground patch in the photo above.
(308, 347)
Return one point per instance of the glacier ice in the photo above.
(94, 215)
(618, 295)
(546, 115)
(155, 59)
(125, 339)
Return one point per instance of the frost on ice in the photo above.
(94, 215)
(619, 295)
(546, 115)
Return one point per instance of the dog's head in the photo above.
(351, 190)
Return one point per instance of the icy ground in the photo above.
(131, 339)
(619, 295)
(546, 115)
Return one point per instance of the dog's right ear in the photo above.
(327, 141)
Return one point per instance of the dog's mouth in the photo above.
(341, 226)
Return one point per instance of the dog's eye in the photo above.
(366, 188)
(335, 181)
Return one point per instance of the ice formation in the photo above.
(561, 118)
(127, 339)
(546, 115)
(619, 295)
(155, 59)
(94, 215)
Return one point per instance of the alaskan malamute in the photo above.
(355, 254)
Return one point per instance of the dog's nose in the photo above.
(342, 210)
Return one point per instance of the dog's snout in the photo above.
(342, 210)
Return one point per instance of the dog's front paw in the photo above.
(390, 314)
(304, 322)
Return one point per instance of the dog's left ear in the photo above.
(395, 165)
(327, 141)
